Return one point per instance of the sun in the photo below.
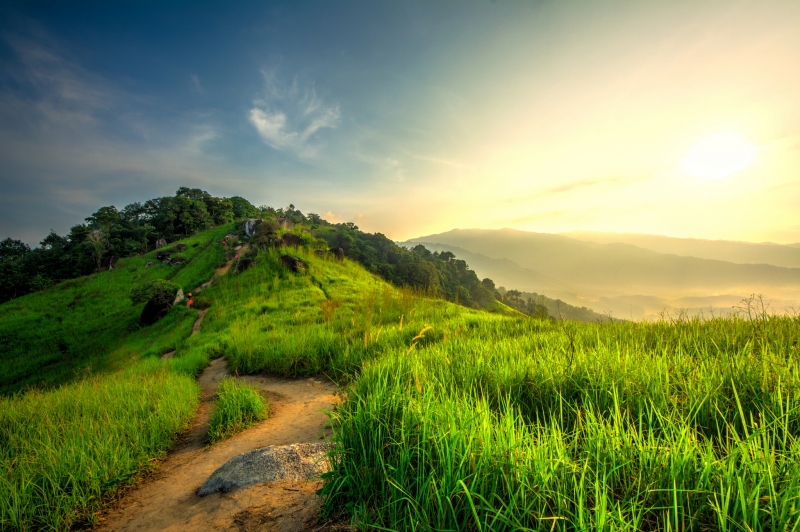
(719, 155)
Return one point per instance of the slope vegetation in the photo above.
(90, 324)
(453, 418)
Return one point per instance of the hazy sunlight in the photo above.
(719, 155)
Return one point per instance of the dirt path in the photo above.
(198, 324)
(167, 500)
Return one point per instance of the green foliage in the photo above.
(236, 407)
(62, 450)
(161, 291)
(436, 274)
(200, 303)
(243, 208)
(108, 232)
(453, 418)
(520, 424)
(541, 306)
(90, 324)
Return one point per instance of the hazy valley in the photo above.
(632, 276)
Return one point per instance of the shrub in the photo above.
(161, 291)
(200, 303)
(237, 407)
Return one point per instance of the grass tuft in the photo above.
(237, 407)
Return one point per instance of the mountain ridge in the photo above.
(606, 272)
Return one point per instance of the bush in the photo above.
(160, 291)
(200, 303)
(237, 407)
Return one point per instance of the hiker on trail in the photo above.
(191, 302)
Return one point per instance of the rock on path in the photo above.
(299, 461)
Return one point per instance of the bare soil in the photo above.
(167, 500)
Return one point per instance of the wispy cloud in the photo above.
(55, 87)
(438, 160)
(581, 184)
(196, 84)
(72, 139)
(288, 117)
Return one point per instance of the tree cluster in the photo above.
(108, 232)
(434, 273)
(525, 304)
(135, 229)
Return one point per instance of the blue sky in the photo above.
(407, 118)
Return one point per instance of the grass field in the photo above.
(453, 418)
(523, 425)
(89, 324)
(457, 419)
(118, 407)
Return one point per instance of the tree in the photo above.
(133, 214)
(97, 244)
(11, 249)
(243, 208)
(104, 218)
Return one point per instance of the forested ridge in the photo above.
(111, 233)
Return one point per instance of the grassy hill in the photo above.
(454, 418)
(89, 324)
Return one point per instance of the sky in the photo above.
(409, 118)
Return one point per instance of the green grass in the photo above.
(237, 407)
(330, 319)
(523, 425)
(62, 450)
(453, 418)
(89, 324)
(119, 407)
(458, 419)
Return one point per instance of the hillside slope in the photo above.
(90, 324)
(553, 293)
(452, 417)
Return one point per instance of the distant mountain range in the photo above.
(632, 276)
(787, 256)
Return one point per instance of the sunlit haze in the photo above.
(671, 118)
(719, 155)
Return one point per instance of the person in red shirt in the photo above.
(189, 304)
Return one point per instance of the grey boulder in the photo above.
(299, 461)
(178, 297)
(249, 226)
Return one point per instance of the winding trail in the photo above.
(167, 500)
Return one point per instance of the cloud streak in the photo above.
(287, 120)
(578, 185)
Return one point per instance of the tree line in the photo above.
(137, 227)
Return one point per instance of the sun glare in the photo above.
(719, 155)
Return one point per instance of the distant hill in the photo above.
(787, 256)
(532, 284)
(626, 279)
(512, 274)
